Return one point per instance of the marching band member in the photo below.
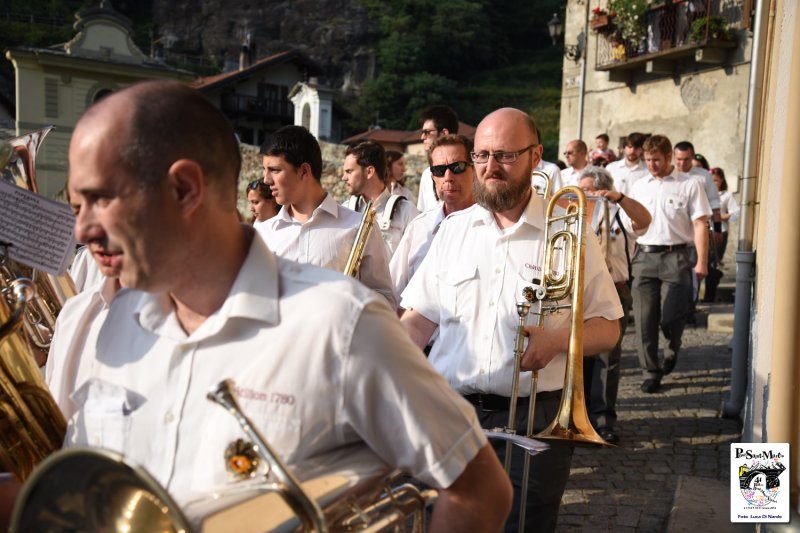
(628, 220)
(469, 284)
(453, 174)
(311, 227)
(321, 363)
(364, 174)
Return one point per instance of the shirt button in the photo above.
(496, 270)
(96, 440)
(491, 303)
(483, 371)
(169, 418)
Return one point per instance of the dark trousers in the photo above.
(549, 470)
(601, 373)
(662, 287)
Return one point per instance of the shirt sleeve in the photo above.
(422, 291)
(698, 202)
(399, 266)
(413, 420)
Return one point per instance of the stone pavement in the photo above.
(675, 434)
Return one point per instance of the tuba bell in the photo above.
(86, 489)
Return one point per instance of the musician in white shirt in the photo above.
(311, 227)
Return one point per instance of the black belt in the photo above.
(653, 248)
(493, 402)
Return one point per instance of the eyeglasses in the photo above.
(505, 158)
(568, 153)
(253, 185)
(456, 168)
(427, 133)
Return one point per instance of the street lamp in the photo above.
(555, 27)
(571, 51)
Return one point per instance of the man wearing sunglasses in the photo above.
(453, 174)
(436, 121)
(576, 157)
(468, 286)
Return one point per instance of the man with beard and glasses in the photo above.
(468, 286)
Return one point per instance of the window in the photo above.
(51, 97)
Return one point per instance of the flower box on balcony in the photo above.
(603, 24)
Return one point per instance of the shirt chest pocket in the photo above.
(675, 205)
(459, 293)
(104, 415)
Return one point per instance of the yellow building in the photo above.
(55, 85)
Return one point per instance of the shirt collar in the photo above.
(328, 205)
(253, 295)
(533, 215)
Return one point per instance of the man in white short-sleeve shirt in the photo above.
(662, 265)
(630, 167)
(454, 173)
(436, 121)
(307, 346)
(468, 285)
(311, 227)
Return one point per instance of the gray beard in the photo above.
(502, 199)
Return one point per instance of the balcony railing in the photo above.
(245, 106)
(674, 28)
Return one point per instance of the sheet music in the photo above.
(39, 229)
(532, 446)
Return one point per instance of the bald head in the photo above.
(509, 118)
(153, 124)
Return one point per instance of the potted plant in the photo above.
(630, 19)
(601, 21)
(717, 29)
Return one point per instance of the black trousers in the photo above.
(549, 470)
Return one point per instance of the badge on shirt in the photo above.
(241, 459)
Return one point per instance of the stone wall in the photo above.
(332, 160)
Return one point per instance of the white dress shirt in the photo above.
(321, 365)
(674, 202)
(616, 258)
(405, 192)
(71, 355)
(626, 175)
(552, 170)
(727, 204)
(392, 219)
(571, 176)
(705, 180)
(469, 284)
(413, 246)
(426, 200)
(325, 240)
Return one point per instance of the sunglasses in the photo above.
(253, 185)
(456, 168)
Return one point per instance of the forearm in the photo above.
(639, 215)
(479, 500)
(418, 327)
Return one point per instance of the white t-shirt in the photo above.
(469, 284)
(325, 240)
(728, 204)
(674, 202)
(552, 170)
(321, 364)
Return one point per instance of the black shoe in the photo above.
(609, 436)
(651, 385)
(669, 364)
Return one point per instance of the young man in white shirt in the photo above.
(436, 121)
(364, 173)
(311, 227)
(630, 168)
(330, 351)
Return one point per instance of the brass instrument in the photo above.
(18, 158)
(32, 424)
(85, 489)
(548, 184)
(360, 243)
(563, 277)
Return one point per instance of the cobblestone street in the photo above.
(675, 432)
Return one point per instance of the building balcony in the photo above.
(236, 106)
(673, 30)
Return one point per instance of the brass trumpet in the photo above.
(360, 242)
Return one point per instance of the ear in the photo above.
(445, 131)
(305, 171)
(187, 181)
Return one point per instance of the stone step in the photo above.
(702, 504)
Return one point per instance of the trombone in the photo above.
(564, 258)
(544, 191)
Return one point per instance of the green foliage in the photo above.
(630, 18)
(717, 29)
